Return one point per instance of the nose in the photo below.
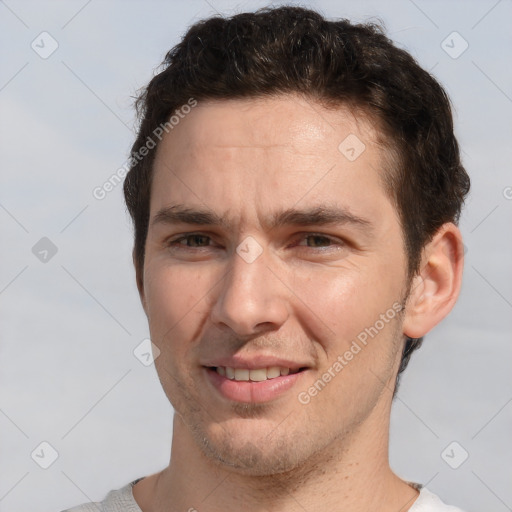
(251, 298)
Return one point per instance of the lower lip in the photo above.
(249, 391)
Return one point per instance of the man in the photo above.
(295, 188)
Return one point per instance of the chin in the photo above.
(251, 460)
(254, 455)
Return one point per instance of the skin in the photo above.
(305, 299)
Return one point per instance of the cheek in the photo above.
(175, 296)
(336, 305)
(176, 300)
(341, 299)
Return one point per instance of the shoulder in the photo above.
(429, 502)
(120, 500)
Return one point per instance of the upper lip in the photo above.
(254, 362)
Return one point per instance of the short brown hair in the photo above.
(296, 50)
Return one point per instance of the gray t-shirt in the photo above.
(122, 501)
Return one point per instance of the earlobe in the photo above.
(435, 289)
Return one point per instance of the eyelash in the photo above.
(176, 241)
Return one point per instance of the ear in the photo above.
(435, 289)
(139, 278)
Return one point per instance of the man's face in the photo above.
(269, 253)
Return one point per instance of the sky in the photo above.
(81, 412)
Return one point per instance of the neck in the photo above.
(351, 474)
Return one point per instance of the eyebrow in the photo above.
(316, 216)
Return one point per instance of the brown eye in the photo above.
(317, 241)
(195, 240)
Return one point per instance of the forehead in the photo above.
(283, 120)
(269, 151)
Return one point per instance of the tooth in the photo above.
(258, 375)
(273, 372)
(230, 373)
(241, 374)
(221, 370)
(285, 371)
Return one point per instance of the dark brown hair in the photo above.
(295, 50)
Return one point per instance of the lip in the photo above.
(252, 392)
(255, 362)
